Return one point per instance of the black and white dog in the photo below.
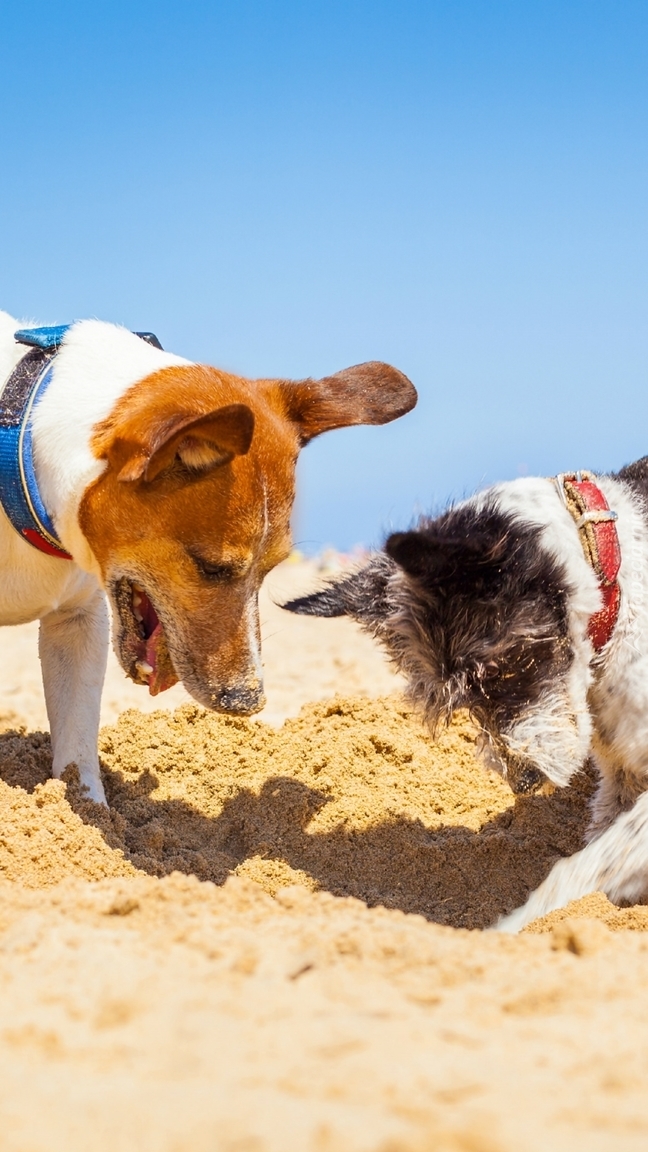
(528, 605)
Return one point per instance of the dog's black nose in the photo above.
(526, 780)
(241, 701)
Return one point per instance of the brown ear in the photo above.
(371, 393)
(202, 442)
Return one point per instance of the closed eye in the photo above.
(219, 572)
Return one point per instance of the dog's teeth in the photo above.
(143, 668)
(137, 599)
(137, 614)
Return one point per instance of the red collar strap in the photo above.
(597, 530)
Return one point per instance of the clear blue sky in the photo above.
(286, 188)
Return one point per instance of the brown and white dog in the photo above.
(170, 484)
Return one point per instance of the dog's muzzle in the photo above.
(525, 779)
(239, 701)
(521, 775)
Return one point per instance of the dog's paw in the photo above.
(93, 789)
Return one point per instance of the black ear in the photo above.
(329, 602)
(416, 553)
(433, 553)
(361, 595)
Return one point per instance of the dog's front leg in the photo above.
(616, 863)
(73, 647)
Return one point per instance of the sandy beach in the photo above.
(274, 939)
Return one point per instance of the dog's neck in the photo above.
(94, 367)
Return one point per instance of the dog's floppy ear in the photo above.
(421, 553)
(427, 553)
(201, 442)
(361, 595)
(410, 550)
(331, 601)
(371, 393)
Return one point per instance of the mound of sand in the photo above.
(352, 797)
(262, 945)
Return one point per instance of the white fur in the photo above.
(97, 363)
(253, 605)
(615, 863)
(554, 736)
(608, 701)
(252, 611)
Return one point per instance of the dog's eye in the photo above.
(218, 573)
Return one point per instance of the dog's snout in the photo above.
(521, 774)
(241, 701)
(525, 780)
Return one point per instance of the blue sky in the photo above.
(286, 188)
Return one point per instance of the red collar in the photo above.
(597, 530)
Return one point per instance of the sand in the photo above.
(272, 940)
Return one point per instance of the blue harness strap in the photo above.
(52, 337)
(19, 494)
(42, 337)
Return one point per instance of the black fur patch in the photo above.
(636, 477)
(484, 616)
(470, 607)
(362, 595)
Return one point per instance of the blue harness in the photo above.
(19, 494)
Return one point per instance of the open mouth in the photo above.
(144, 651)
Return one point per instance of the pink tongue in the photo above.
(162, 677)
